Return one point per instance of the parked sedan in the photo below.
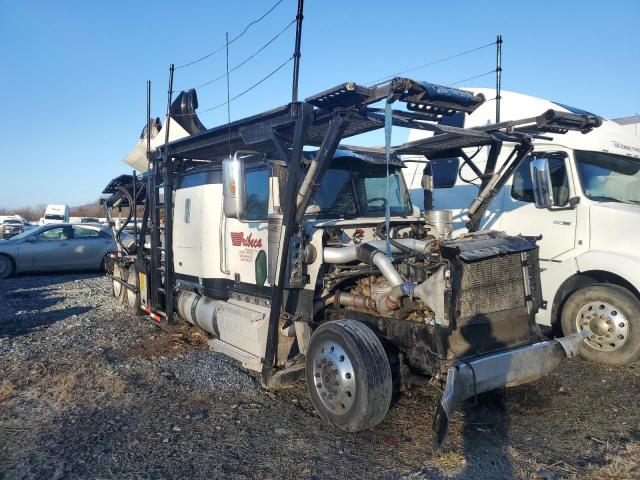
(56, 247)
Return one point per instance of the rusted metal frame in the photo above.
(324, 155)
(488, 193)
(303, 114)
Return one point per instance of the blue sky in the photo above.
(73, 72)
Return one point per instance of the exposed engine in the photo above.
(481, 289)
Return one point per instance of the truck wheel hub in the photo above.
(334, 378)
(608, 326)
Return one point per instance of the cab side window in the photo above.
(53, 234)
(522, 188)
(80, 232)
(257, 187)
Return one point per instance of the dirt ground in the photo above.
(89, 390)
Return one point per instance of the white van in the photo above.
(590, 245)
(56, 214)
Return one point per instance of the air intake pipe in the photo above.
(349, 254)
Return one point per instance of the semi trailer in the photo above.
(589, 226)
(302, 255)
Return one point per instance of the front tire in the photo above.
(7, 268)
(612, 314)
(348, 375)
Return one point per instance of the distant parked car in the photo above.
(93, 220)
(10, 227)
(56, 247)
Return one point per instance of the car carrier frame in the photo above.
(144, 268)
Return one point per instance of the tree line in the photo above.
(33, 214)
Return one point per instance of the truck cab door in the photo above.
(557, 224)
(245, 240)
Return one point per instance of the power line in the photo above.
(472, 78)
(273, 72)
(425, 65)
(246, 29)
(250, 57)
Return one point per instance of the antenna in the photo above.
(228, 100)
(498, 76)
(296, 53)
(135, 194)
(169, 95)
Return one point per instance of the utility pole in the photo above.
(498, 76)
(296, 53)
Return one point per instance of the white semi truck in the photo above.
(303, 256)
(589, 223)
(55, 214)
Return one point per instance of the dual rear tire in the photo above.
(123, 294)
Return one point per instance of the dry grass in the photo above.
(173, 345)
(623, 465)
(6, 390)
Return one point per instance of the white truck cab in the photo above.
(55, 214)
(590, 231)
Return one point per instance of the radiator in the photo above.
(495, 292)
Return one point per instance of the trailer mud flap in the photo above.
(503, 369)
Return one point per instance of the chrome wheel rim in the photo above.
(608, 327)
(334, 378)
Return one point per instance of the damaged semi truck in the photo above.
(302, 255)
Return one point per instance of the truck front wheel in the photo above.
(612, 315)
(348, 375)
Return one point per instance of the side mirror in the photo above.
(541, 181)
(233, 187)
(31, 239)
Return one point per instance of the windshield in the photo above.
(51, 216)
(12, 222)
(609, 178)
(357, 189)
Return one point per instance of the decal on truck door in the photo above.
(238, 240)
(249, 245)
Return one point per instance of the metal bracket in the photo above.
(571, 343)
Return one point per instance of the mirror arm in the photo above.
(495, 183)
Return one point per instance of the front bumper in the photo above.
(503, 369)
(8, 233)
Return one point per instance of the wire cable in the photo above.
(273, 72)
(246, 29)
(249, 58)
(435, 62)
(472, 78)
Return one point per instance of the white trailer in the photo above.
(590, 226)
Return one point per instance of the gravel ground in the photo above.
(89, 390)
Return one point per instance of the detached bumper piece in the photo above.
(503, 369)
